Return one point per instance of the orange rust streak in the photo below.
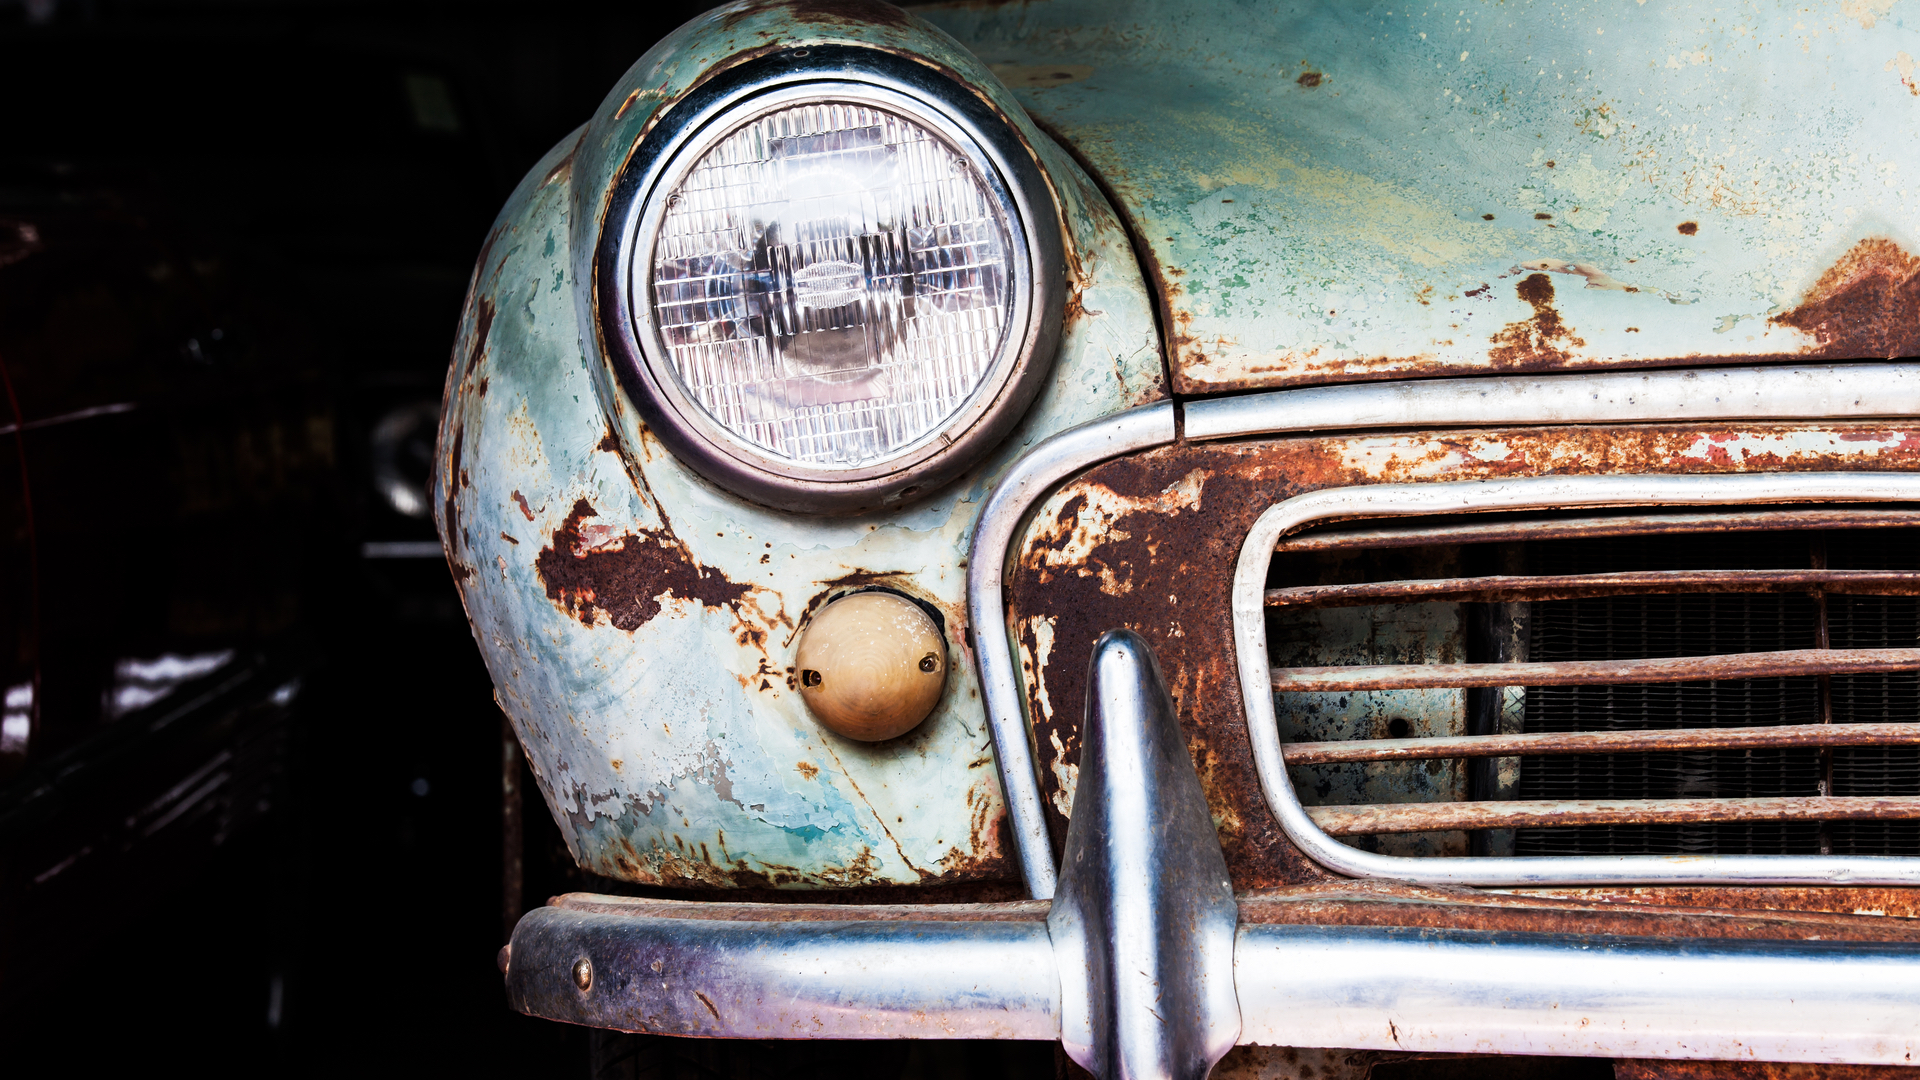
(1570, 586)
(1603, 742)
(1754, 665)
(1378, 818)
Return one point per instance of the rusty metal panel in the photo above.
(1149, 541)
(1755, 665)
(1418, 634)
(1540, 814)
(1490, 589)
(639, 623)
(1339, 191)
(1604, 742)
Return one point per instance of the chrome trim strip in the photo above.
(1758, 393)
(1441, 991)
(976, 973)
(1744, 393)
(1554, 492)
(1023, 486)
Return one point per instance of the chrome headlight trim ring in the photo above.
(1005, 165)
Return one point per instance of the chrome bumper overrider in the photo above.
(1145, 965)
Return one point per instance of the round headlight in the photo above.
(835, 291)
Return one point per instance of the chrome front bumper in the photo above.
(1145, 965)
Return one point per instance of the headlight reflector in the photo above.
(831, 282)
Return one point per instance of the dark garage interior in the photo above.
(234, 240)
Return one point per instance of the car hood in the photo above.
(1329, 192)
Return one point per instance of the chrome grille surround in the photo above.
(1538, 493)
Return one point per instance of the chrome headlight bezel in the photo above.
(1005, 164)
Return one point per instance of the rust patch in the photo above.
(621, 112)
(1163, 567)
(608, 442)
(524, 508)
(625, 577)
(1310, 79)
(1688, 228)
(1645, 1069)
(482, 328)
(807, 769)
(509, 539)
(1541, 339)
(1893, 903)
(1382, 903)
(452, 508)
(1865, 305)
(483, 386)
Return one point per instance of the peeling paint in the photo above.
(1308, 230)
(641, 641)
(1176, 557)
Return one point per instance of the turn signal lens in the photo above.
(832, 282)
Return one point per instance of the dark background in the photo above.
(329, 170)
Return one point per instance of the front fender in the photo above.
(639, 623)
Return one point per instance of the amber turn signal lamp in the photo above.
(871, 666)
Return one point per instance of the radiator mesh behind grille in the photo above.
(1634, 627)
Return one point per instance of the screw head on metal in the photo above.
(583, 974)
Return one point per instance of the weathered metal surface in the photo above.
(1868, 901)
(1647, 1069)
(1543, 814)
(1830, 914)
(1335, 191)
(639, 624)
(1003, 516)
(752, 974)
(1533, 527)
(1475, 991)
(1364, 636)
(1728, 395)
(1603, 742)
(1482, 590)
(1148, 542)
(1757, 665)
(1374, 965)
(1253, 565)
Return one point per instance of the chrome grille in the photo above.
(1726, 690)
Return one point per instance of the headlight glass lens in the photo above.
(832, 282)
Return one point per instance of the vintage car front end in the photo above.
(1409, 529)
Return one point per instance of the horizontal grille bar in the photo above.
(1572, 586)
(1377, 818)
(1602, 742)
(1569, 528)
(1755, 665)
